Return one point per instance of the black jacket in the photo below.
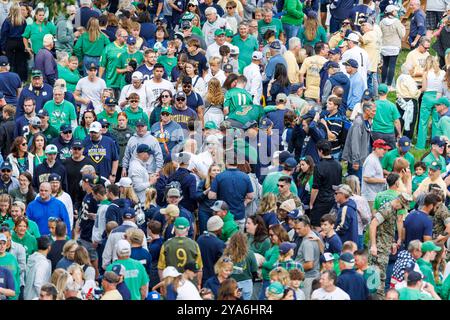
(7, 136)
(43, 171)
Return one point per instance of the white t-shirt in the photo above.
(154, 90)
(144, 100)
(213, 50)
(92, 91)
(188, 291)
(372, 168)
(337, 294)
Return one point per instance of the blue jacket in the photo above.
(347, 221)
(417, 25)
(316, 133)
(270, 69)
(114, 211)
(39, 211)
(340, 9)
(356, 90)
(41, 96)
(188, 187)
(340, 79)
(213, 284)
(204, 203)
(211, 248)
(353, 284)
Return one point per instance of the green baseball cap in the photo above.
(167, 110)
(435, 166)
(188, 16)
(36, 73)
(181, 223)
(229, 33)
(275, 288)
(383, 88)
(219, 32)
(428, 246)
(442, 100)
(210, 125)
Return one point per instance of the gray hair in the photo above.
(87, 169)
(267, 10)
(62, 56)
(294, 42)
(424, 40)
(210, 10)
(58, 89)
(414, 245)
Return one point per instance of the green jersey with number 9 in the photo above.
(246, 113)
(178, 251)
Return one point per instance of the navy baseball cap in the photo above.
(352, 63)
(286, 246)
(437, 140)
(54, 177)
(161, 19)
(6, 165)
(414, 276)
(89, 178)
(93, 65)
(143, 148)
(109, 101)
(404, 144)
(333, 64)
(131, 40)
(284, 155)
(4, 61)
(141, 123)
(335, 51)
(250, 124)
(347, 257)
(65, 127)
(294, 214)
(290, 162)
(41, 113)
(265, 123)
(309, 115)
(296, 86)
(276, 45)
(367, 95)
(129, 213)
(104, 122)
(77, 144)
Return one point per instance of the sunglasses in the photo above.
(105, 126)
(68, 131)
(76, 148)
(23, 144)
(181, 99)
(165, 96)
(134, 101)
(280, 185)
(165, 114)
(6, 170)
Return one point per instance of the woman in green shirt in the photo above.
(293, 18)
(22, 236)
(5, 202)
(312, 32)
(257, 235)
(82, 131)
(36, 31)
(90, 45)
(37, 148)
(68, 70)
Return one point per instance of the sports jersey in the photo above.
(63, 113)
(246, 113)
(178, 251)
(102, 153)
(236, 97)
(109, 60)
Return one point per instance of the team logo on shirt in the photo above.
(162, 137)
(97, 153)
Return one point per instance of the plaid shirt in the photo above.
(289, 265)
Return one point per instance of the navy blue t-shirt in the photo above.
(333, 244)
(417, 224)
(6, 279)
(270, 218)
(213, 284)
(21, 126)
(417, 25)
(232, 186)
(194, 100)
(153, 6)
(202, 63)
(148, 29)
(211, 248)
(89, 205)
(182, 117)
(143, 256)
(277, 117)
(102, 153)
(9, 83)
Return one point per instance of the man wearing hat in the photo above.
(276, 115)
(7, 181)
(138, 170)
(110, 111)
(169, 133)
(402, 151)
(429, 252)
(47, 130)
(131, 54)
(347, 214)
(38, 90)
(136, 86)
(309, 72)
(437, 152)
(254, 78)
(219, 40)
(416, 289)
(350, 280)
(211, 246)
(434, 177)
(382, 234)
(275, 58)
(102, 151)
(357, 84)
(335, 78)
(221, 209)
(442, 108)
(386, 122)
(180, 250)
(182, 114)
(270, 183)
(10, 83)
(49, 166)
(295, 101)
(358, 54)
(194, 99)
(109, 284)
(247, 45)
(136, 277)
(64, 142)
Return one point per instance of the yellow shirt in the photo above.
(293, 68)
(311, 66)
(112, 295)
(406, 87)
(370, 45)
(416, 60)
(334, 40)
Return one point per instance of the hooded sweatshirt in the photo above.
(172, 136)
(337, 79)
(64, 148)
(39, 211)
(64, 34)
(347, 221)
(393, 31)
(115, 209)
(39, 272)
(155, 162)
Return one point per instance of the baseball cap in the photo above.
(95, 127)
(166, 110)
(414, 276)
(214, 223)
(131, 40)
(265, 123)
(35, 122)
(327, 256)
(77, 144)
(367, 95)
(42, 113)
(111, 277)
(347, 257)
(171, 210)
(54, 177)
(129, 213)
(276, 288)
(51, 149)
(296, 86)
(173, 192)
(187, 80)
(189, 15)
(192, 266)
(435, 166)
(404, 144)
(88, 178)
(276, 45)
(250, 124)
(3, 237)
(93, 65)
(290, 162)
(437, 140)
(143, 148)
(284, 155)
(210, 125)
(180, 94)
(229, 33)
(123, 248)
(6, 165)
(4, 61)
(219, 205)
(335, 51)
(36, 73)
(65, 127)
(137, 75)
(288, 205)
(181, 223)
(428, 246)
(351, 62)
(442, 100)
(182, 158)
(332, 64)
(141, 123)
(110, 101)
(104, 122)
(391, 8)
(153, 295)
(383, 88)
(343, 188)
(170, 272)
(257, 55)
(185, 24)
(353, 37)
(219, 32)
(295, 214)
(227, 68)
(286, 246)
(380, 143)
(161, 19)
(309, 115)
(119, 270)
(281, 97)
(125, 182)
(234, 50)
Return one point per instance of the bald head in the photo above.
(45, 191)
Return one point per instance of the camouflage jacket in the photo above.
(387, 223)
(439, 217)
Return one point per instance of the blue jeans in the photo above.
(247, 289)
(87, 60)
(290, 31)
(262, 293)
(203, 217)
(372, 83)
(388, 69)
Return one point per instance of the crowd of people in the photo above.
(230, 150)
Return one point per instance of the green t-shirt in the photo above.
(33, 228)
(274, 25)
(258, 247)
(385, 116)
(384, 197)
(427, 270)
(28, 241)
(321, 35)
(196, 30)
(111, 119)
(80, 133)
(51, 133)
(85, 47)
(108, 60)
(430, 158)
(169, 63)
(133, 117)
(412, 294)
(417, 180)
(246, 49)
(443, 127)
(39, 159)
(124, 58)
(70, 76)
(389, 158)
(229, 228)
(135, 276)
(271, 256)
(10, 262)
(36, 32)
(372, 278)
(235, 98)
(244, 114)
(59, 114)
(270, 183)
(243, 270)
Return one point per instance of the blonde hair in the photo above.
(281, 275)
(150, 198)
(237, 248)
(15, 15)
(59, 278)
(93, 29)
(69, 245)
(128, 193)
(135, 236)
(353, 182)
(311, 25)
(215, 94)
(221, 264)
(432, 63)
(208, 180)
(268, 204)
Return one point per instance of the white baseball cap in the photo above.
(170, 272)
(391, 8)
(353, 37)
(95, 127)
(125, 182)
(257, 55)
(137, 75)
